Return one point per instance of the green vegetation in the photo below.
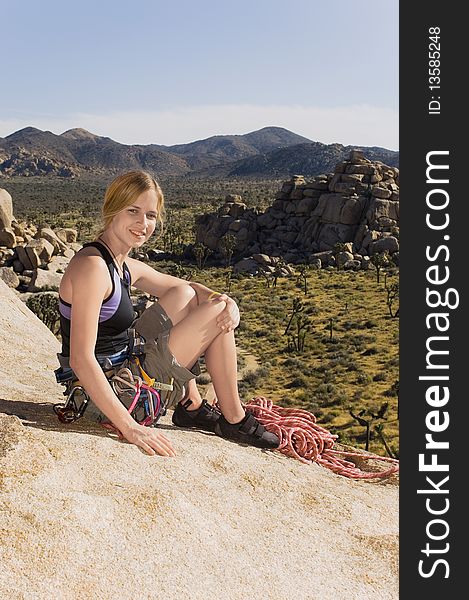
(46, 307)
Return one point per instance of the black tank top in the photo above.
(115, 316)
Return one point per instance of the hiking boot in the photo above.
(248, 431)
(205, 417)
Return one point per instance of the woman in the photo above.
(187, 321)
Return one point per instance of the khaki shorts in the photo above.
(154, 325)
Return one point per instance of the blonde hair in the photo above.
(123, 190)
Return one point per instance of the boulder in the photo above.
(58, 264)
(69, 253)
(234, 198)
(307, 205)
(67, 234)
(352, 210)
(18, 228)
(18, 266)
(7, 237)
(51, 237)
(237, 210)
(42, 280)
(40, 250)
(365, 263)
(262, 259)
(237, 224)
(357, 157)
(389, 244)
(380, 192)
(352, 265)
(329, 207)
(6, 209)
(342, 258)
(23, 257)
(315, 262)
(246, 265)
(9, 277)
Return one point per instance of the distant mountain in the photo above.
(305, 159)
(268, 152)
(227, 148)
(31, 151)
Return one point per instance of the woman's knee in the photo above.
(181, 294)
(214, 307)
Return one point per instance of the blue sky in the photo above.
(167, 73)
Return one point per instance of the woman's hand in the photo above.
(228, 320)
(150, 440)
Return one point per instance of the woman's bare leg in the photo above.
(222, 364)
(178, 302)
(195, 331)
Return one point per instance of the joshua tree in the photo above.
(297, 337)
(227, 246)
(281, 264)
(302, 278)
(380, 431)
(379, 260)
(229, 280)
(297, 307)
(392, 292)
(364, 423)
(173, 235)
(381, 414)
(201, 253)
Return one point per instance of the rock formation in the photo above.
(32, 259)
(357, 205)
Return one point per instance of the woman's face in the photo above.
(134, 224)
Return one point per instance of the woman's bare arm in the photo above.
(89, 279)
(149, 280)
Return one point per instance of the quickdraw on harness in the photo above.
(139, 393)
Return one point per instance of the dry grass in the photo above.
(356, 369)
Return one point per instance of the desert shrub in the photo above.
(46, 307)
(252, 378)
(363, 378)
(298, 382)
(370, 351)
(348, 325)
(344, 361)
(393, 390)
(293, 362)
(264, 370)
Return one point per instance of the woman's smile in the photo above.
(138, 234)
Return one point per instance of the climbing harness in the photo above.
(137, 391)
(302, 438)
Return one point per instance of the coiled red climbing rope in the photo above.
(302, 438)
